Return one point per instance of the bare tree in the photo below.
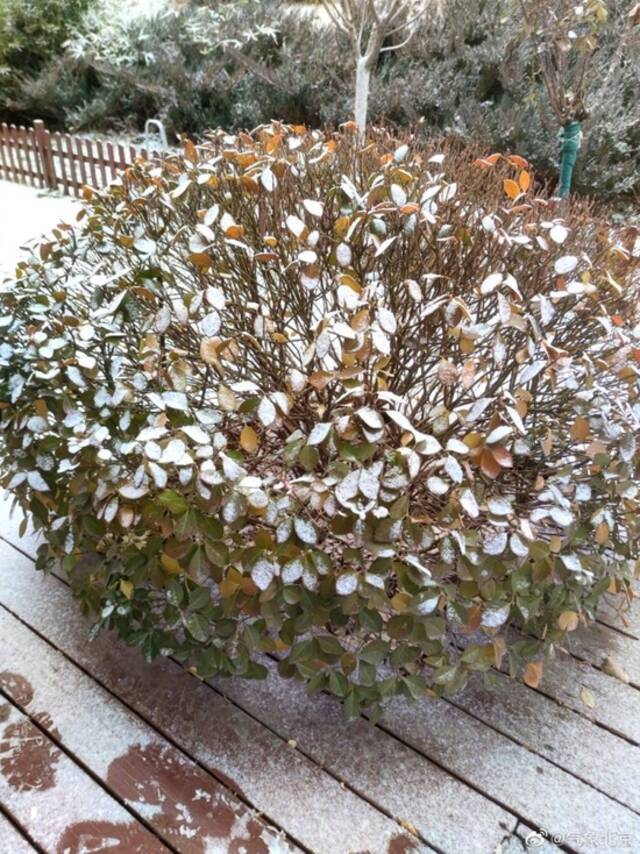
(565, 36)
(369, 24)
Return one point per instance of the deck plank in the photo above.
(557, 733)
(616, 705)
(542, 794)
(11, 840)
(275, 778)
(185, 806)
(445, 811)
(50, 796)
(620, 615)
(596, 643)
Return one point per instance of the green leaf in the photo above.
(415, 687)
(329, 645)
(352, 705)
(197, 627)
(338, 684)
(375, 652)
(173, 501)
(309, 457)
(199, 598)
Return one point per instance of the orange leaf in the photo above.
(489, 465)
(320, 379)
(502, 456)
(511, 188)
(516, 160)
(580, 429)
(190, 151)
(533, 674)
(568, 621)
(265, 257)
(524, 181)
(235, 231)
(602, 533)
(249, 439)
(201, 260)
(499, 650)
(493, 158)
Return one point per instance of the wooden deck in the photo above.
(100, 751)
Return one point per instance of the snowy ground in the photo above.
(27, 213)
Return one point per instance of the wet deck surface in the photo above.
(100, 751)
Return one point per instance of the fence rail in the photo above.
(62, 161)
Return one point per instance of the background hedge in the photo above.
(238, 64)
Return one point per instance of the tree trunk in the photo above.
(571, 139)
(363, 81)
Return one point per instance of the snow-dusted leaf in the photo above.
(176, 400)
(37, 482)
(499, 506)
(292, 571)
(398, 195)
(493, 618)
(305, 531)
(572, 563)
(369, 481)
(387, 320)
(559, 234)
(314, 207)
(437, 485)
(562, 516)
(196, 434)
(343, 254)
(347, 489)
(565, 265)
(266, 412)
(371, 418)
(149, 434)
(158, 474)
(517, 546)
(173, 452)
(210, 324)
(319, 433)
(453, 468)
(296, 226)
(491, 282)
(144, 246)
(346, 584)
(132, 492)
(499, 434)
(455, 446)
(268, 180)
(494, 542)
(469, 503)
(163, 319)
(263, 573)
(427, 445)
(232, 470)
(532, 370)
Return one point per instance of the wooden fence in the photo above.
(61, 161)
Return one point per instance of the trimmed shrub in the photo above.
(286, 395)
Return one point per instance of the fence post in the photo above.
(43, 142)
